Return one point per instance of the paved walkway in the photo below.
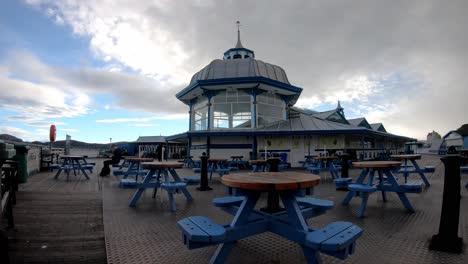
(148, 232)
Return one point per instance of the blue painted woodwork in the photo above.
(336, 239)
(171, 188)
(228, 201)
(406, 171)
(429, 169)
(199, 231)
(342, 183)
(69, 164)
(153, 179)
(315, 203)
(289, 224)
(415, 187)
(192, 180)
(386, 182)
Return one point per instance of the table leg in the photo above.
(359, 180)
(381, 179)
(130, 168)
(81, 169)
(140, 190)
(297, 220)
(406, 173)
(176, 177)
(404, 200)
(418, 169)
(242, 216)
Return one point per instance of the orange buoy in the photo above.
(52, 133)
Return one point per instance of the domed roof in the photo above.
(221, 69)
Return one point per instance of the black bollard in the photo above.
(204, 174)
(447, 239)
(344, 165)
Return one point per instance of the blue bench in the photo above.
(415, 187)
(192, 180)
(118, 172)
(342, 183)
(337, 239)
(429, 169)
(200, 231)
(228, 201)
(128, 183)
(315, 203)
(171, 188)
(364, 191)
(222, 172)
(196, 170)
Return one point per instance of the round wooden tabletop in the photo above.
(162, 165)
(406, 156)
(326, 157)
(271, 181)
(71, 157)
(377, 164)
(133, 159)
(217, 160)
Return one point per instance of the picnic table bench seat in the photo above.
(228, 201)
(412, 187)
(336, 239)
(200, 231)
(192, 180)
(429, 169)
(133, 184)
(315, 203)
(118, 172)
(342, 182)
(362, 188)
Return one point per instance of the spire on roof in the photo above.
(239, 44)
(339, 106)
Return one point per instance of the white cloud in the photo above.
(143, 125)
(17, 132)
(335, 50)
(142, 119)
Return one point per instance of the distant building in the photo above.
(432, 135)
(457, 138)
(243, 106)
(149, 144)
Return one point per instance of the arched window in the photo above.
(237, 56)
(246, 56)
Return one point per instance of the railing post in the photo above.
(204, 174)
(447, 239)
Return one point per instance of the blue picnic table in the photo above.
(71, 162)
(336, 239)
(386, 182)
(134, 167)
(158, 177)
(325, 163)
(407, 169)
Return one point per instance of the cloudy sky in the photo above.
(110, 68)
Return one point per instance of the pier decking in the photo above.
(66, 218)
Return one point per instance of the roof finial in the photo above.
(339, 105)
(239, 44)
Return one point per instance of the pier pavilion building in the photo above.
(239, 105)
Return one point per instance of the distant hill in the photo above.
(10, 138)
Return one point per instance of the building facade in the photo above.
(239, 105)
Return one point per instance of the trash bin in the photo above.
(22, 159)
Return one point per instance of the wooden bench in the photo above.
(200, 231)
(171, 188)
(192, 180)
(429, 169)
(342, 183)
(315, 203)
(363, 191)
(413, 187)
(228, 201)
(337, 239)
